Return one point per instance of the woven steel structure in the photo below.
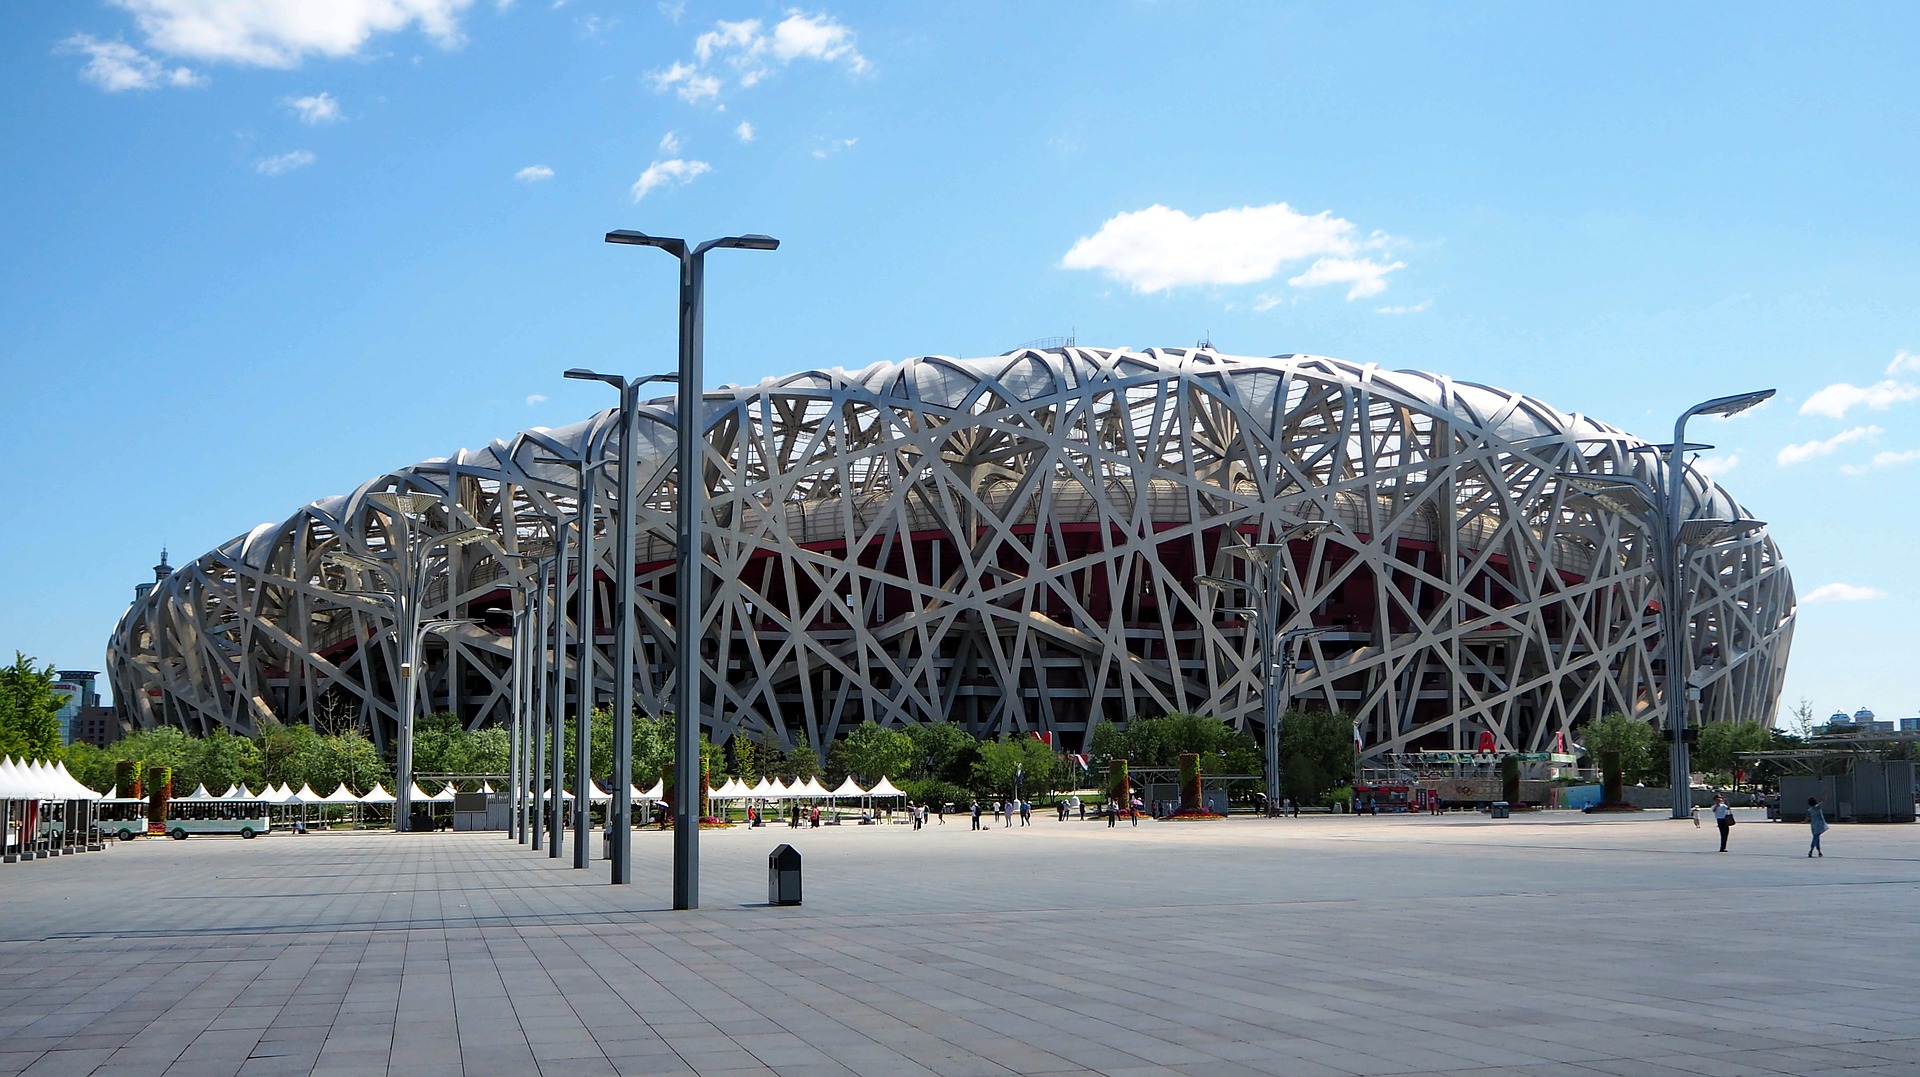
(1012, 543)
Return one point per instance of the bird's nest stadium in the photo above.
(1016, 544)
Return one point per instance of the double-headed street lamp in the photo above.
(407, 567)
(1679, 534)
(626, 592)
(687, 561)
(1265, 613)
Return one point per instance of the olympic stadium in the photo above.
(1016, 544)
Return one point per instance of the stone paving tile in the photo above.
(1330, 946)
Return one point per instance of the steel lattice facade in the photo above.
(1012, 543)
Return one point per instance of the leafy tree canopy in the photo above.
(29, 711)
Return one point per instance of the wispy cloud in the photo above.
(1904, 362)
(1836, 400)
(669, 173)
(1808, 450)
(744, 132)
(687, 81)
(1840, 592)
(1158, 248)
(1883, 459)
(670, 144)
(1716, 466)
(534, 174)
(286, 162)
(316, 109)
(751, 52)
(536, 398)
(834, 146)
(1414, 308)
(282, 33)
(115, 66)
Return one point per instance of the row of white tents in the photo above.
(735, 789)
(38, 780)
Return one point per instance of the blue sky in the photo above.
(257, 252)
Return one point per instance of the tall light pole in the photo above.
(1680, 533)
(626, 592)
(1271, 558)
(687, 561)
(408, 566)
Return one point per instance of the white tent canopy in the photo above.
(444, 796)
(38, 781)
(655, 792)
(729, 789)
(342, 795)
(812, 788)
(763, 789)
(415, 795)
(377, 795)
(199, 793)
(885, 788)
(849, 788)
(597, 795)
(306, 795)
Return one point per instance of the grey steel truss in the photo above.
(1013, 543)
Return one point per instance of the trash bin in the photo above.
(783, 876)
(1500, 809)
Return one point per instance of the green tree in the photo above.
(29, 711)
(1159, 742)
(1623, 747)
(1719, 741)
(874, 751)
(1316, 755)
(998, 762)
(351, 758)
(221, 760)
(943, 752)
(163, 747)
(91, 766)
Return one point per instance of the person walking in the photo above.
(940, 811)
(1722, 818)
(976, 813)
(1026, 812)
(1113, 814)
(1817, 822)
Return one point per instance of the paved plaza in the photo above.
(1550, 943)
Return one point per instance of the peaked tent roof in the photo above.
(341, 795)
(885, 788)
(306, 795)
(377, 795)
(849, 788)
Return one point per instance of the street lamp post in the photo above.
(687, 598)
(1679, 533)
(555, 718)
(1270, 556)
(626, 592)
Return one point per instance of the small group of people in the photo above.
(1723, 820)
(917, 813)
(1133, 811)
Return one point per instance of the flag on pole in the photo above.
(1077, 759)
(1045, 738)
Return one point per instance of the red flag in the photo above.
(1044, 738)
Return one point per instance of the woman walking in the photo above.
(1817, 822)
(1722, 818)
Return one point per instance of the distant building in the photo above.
(98, 726)
(77, 688)
(160, 572)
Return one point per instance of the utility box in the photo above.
(783, 876)
(1500, 809)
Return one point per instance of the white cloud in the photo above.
(536, 398)
(754, 52)
(744, 132)
(1808, 450)
(1368, 277)
(1158, 248)
(286, 162)
(669, 144)
(1840, 592)
(1904, 362)
(317, 109)
(686, 81)
(1716, 466)
(1883, 459)
(1836, 400)
(281, 33)
(1414, 308)
(835, 146)
(115, 66)
(534, 174)
(674, 172)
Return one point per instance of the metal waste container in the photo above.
(783, 876)
(1500, 809)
